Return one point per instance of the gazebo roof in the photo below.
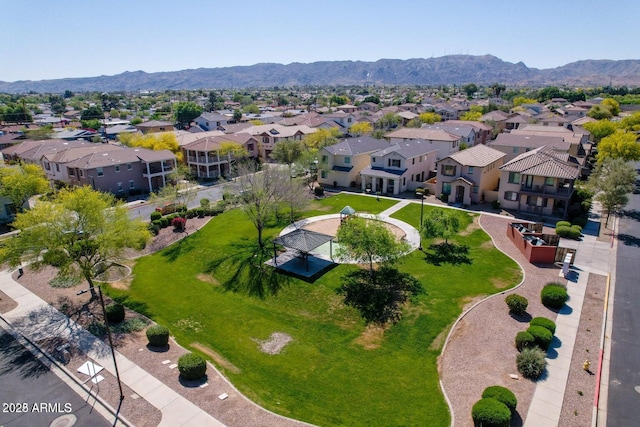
(347, 210)
(303, 240)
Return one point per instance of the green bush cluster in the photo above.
(318, 191)
(501, 394)
(554, 296)
(158, 336)
(569, 231)
(541, 335)
(192, 366)
(155, 215)
(114, 313)
(545, 323)
(531, 362)
(489, 412)
(517, 304)
(524, 340)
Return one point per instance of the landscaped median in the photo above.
(213, 288)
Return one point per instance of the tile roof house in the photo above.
(514, 144)
(342, 163)
(483, 130)
(468, 174)
(400, 167)
(211, 121)
(540, 181)
(442, 141)
(272, 133)
(153, 126)
(463, 129)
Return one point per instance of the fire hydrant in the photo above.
(586, 365)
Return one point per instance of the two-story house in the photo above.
(514, 144)
(154, 126)
(211, 121)
(340, 164)
(468, 174)
(443, 142)
(540, 181)
(462, 129)
(400, 167)
(206, 157)
(269, 134)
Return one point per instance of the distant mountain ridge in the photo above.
(452, 69)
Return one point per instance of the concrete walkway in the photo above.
(36, 319)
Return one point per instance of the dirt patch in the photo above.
(371, 338)
(6, 303)
(275, 343)
(475, 225)
(207, 278)
(218, 358)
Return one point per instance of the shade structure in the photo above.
(302, 240)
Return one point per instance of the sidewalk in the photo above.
(35, 319)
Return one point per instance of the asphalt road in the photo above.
(31, 395)
(623, 406)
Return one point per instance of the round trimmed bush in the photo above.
(155, 215)
(517, 304)
(569, 232)
(489, 412)
(524, 340)
(192, 366)
(531, 362)
(541, 335)
(164, 222)
(554, 296)
(114, 313)
(545, 323)
(501, 394)
(563, 224)
(158, 336)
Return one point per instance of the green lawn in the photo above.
(209, 289)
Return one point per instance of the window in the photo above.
(549, 181)
(515, 150)
(475, 189)
(404, 181)
(265, 139)
(117, 168)
(448, 170)
(81, 173)
(100, 171)
(250, 147)
(71, 171)
(323, 174)
(373, 159)
(129, 166)
(132, 184)
(394, 163)
(120, 190)
(446, 188)
(57, 167)
(325, 159)
(347, 160)
(470, 170)
(511, 195)
(413, 161)
(412, 176)
(47, 166)
(514, 178)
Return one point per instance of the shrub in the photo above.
(501, 394)
(531, 362)
(524, 340)
(114, 313)
(154, 227)
(576, 228)
(158, 336)
(164, 222)
(204, 203)
(318, 191)
(155, 215)
(517, 304)
(190, 213)
(548, 324)
(489, 412)
(563, 224)
(179, 223)
(581, 220)
(572, 232)
(444, 198)
(541, 335)
(200, 212)
(495, 204)
(554, 296)
(192, 366)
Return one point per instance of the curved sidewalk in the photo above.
(36, 319)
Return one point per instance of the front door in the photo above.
(459, 194)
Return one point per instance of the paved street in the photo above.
(32, 395)
(624, 378)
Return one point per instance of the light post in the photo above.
(113, 353)
(421, 216)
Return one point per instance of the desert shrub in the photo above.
(501, 394)
(563, 224)
(130, 325)
(531, 362)
(318, 191)
(545, 323)
(158, 336)
(114, 313)
(554, 296)
(204, 203)
(192, 366)
(97, 328)
(216, 210)
(489, 412)
(524, 340)
(541, 335)
(517, 304)
(155, 215)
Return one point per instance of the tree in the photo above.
(20, 183)
(497, 89)
(612, 181)
(365, 240)
(360, 128)
(78, 231)
(599, 112)
(612, 105)
(40, 133)
(630, 123)
(470, 89)
(92, 113)
(152, 141)
(621, 144)
(442, 223)
(186, 112)
(237, 115)
(519, 100)
(379, 298)
(471, 116)
(600, 129)
(321, 138)
(178, 190)
(372, 98)
(389, 120)
(430, 118)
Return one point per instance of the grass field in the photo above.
(212, 289)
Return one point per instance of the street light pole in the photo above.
(421, 215)
(113, 353)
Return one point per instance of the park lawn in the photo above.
(211, 289)
(362, 204)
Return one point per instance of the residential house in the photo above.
(340, 164)
(579, 138)
(514, 144)
(482, 130)
(437, 139)
(205, 159)
(344, 120)
(496, 118)
(154, 126)
(211, 121)
(347, 108)
(369, 106)
(462, 129)
(272, 133)
(540, 181)
(402, 166)
(469, 175)
(407, 116)
(514, 121)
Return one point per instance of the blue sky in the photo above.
(45, 39)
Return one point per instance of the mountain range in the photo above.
(451, 69)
